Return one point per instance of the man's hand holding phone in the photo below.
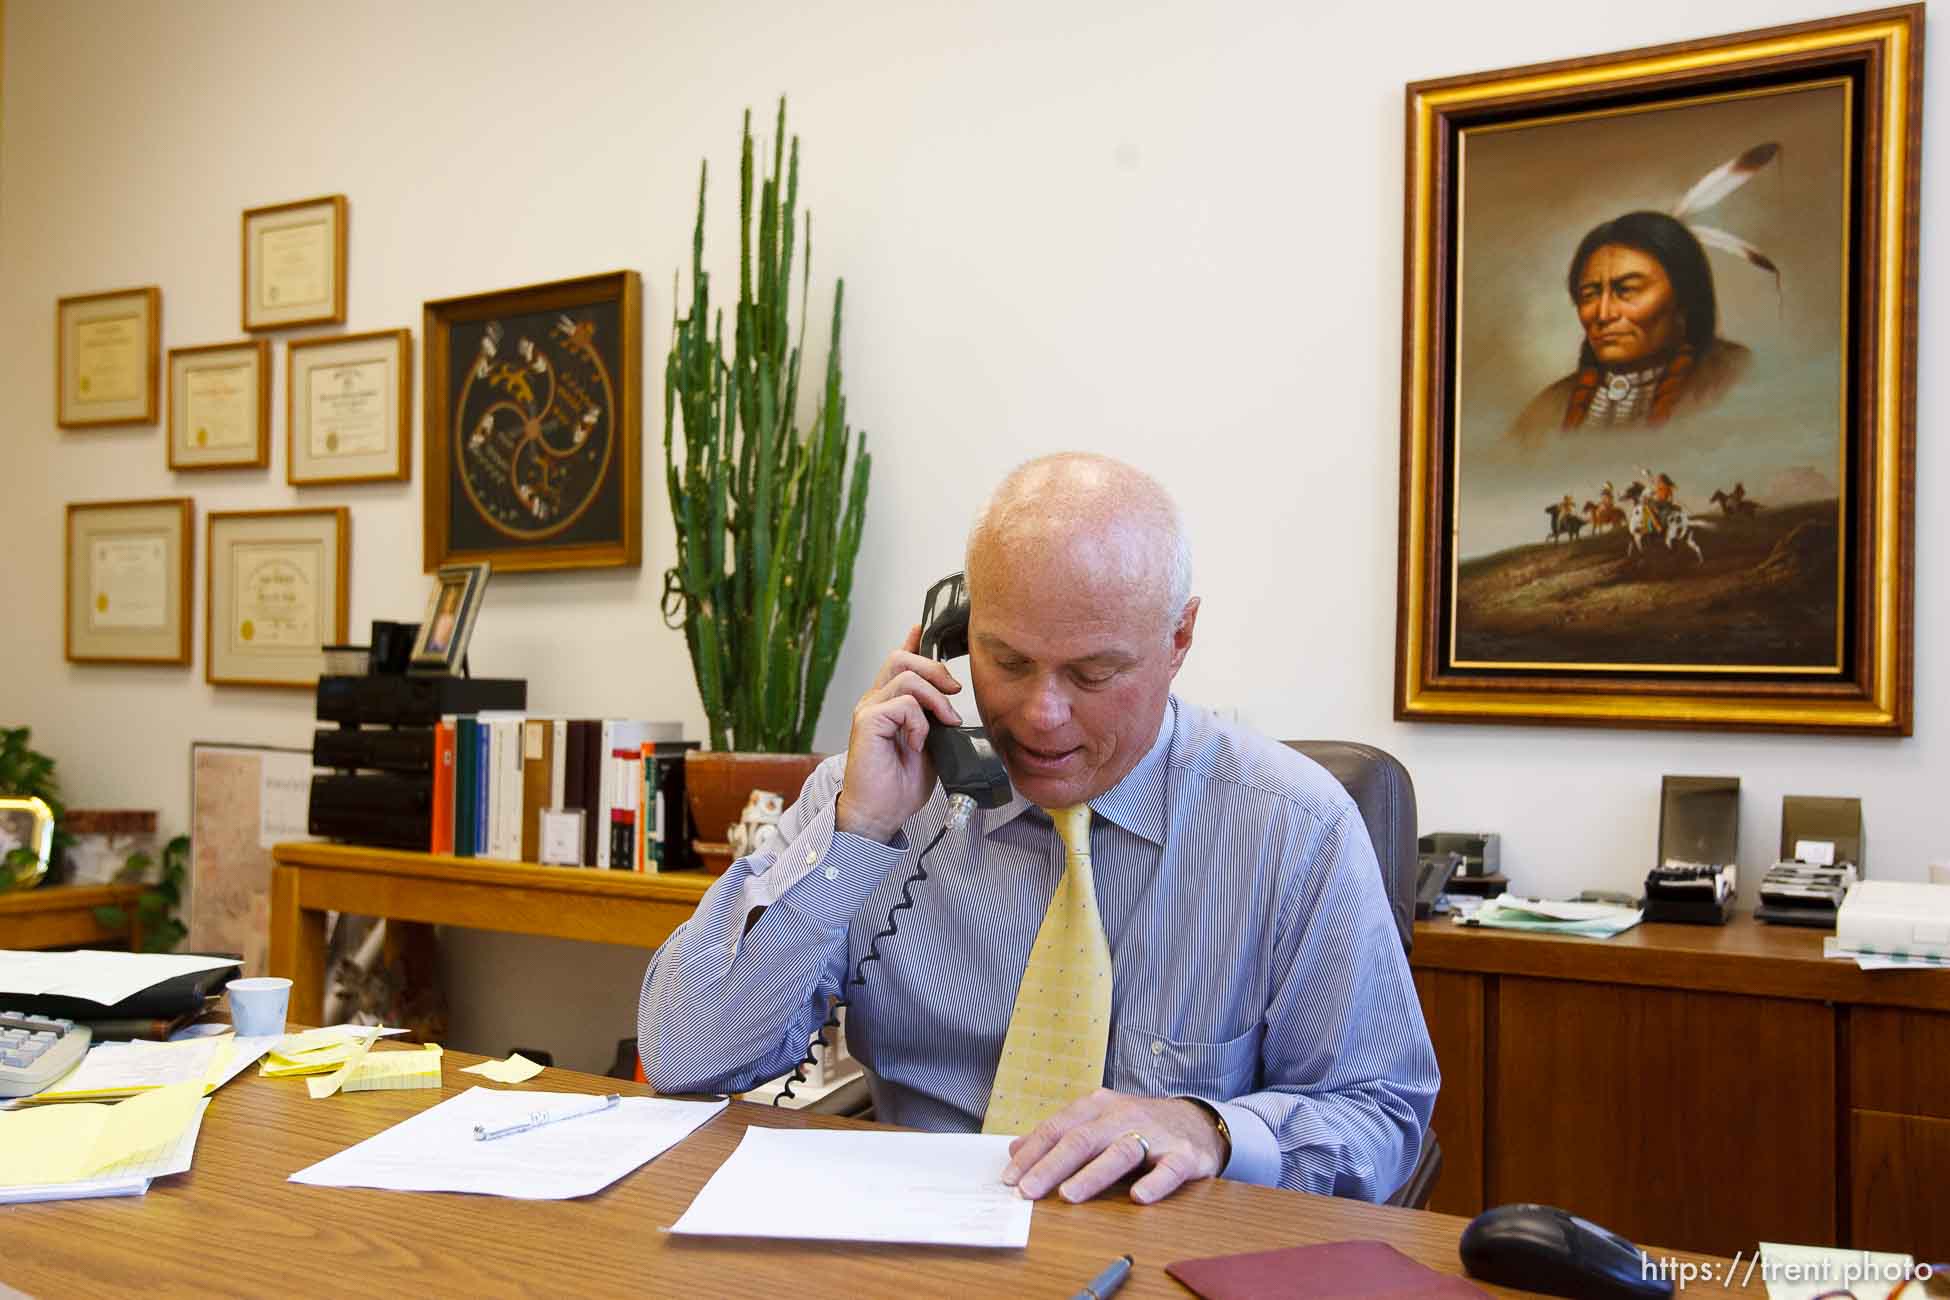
(888, 775)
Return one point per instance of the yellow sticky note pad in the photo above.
(332, 1082)
(380, 1072)
(388, 1070)
(516, 1069)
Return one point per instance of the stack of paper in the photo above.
(436, 1151)
(1591, 920)
(89, 1149)
(1831, 947)
(112, 1070)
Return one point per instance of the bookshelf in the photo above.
(308, 880)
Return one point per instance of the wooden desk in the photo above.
(56, 916)
(309, 880)
(234, 1225)
(1709, 1086)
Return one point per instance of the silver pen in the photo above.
(537, 1118)
(1105, 1284)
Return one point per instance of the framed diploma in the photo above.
(294, 264)
(106, 352)
(128, 581)
(533, 430)
(277, 593)
(220, 406)
(348, 414)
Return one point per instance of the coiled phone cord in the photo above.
(957, 816)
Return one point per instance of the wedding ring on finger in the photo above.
(1144, 1147)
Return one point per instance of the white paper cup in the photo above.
(257, 1006)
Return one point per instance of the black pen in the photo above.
(1105, 1284)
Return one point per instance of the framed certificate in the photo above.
(105, 358)
(220, 406)
(294, 264)
(128, 581)
(277, 593)
(348, 417)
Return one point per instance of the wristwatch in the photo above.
(1219, 1122)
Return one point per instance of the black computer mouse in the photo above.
(1543, 1248)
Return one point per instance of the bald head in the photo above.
(1110, 523)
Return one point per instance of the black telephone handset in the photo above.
(963, 758)
(970, 772)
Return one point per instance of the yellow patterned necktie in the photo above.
(1060, 1030)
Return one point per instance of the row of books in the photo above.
(574, 792)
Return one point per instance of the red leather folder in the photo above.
(1337, 1270)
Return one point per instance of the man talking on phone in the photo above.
(1168, 956)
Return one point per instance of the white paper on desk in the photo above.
(104, 977)
(1831, 948)
(435, 1151)
(130, 1178)
(933, 1189)
(137, 1066)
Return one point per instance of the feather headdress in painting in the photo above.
(1715, 186)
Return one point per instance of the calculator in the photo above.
(37, 1050)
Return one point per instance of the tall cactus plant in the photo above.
(768, 518)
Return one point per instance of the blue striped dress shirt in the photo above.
(1255, 961)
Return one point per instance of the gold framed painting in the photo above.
(1659, 365)
(128, 581)
(348, 408)
(220, 406)
(276, 593)
(534, 429)
(294, 264)
(105, 360)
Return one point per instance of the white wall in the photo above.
(1169, 231)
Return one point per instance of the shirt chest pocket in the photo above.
(1151, 1064)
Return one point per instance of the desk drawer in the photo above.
(1899, 1194)
(1897, 1061)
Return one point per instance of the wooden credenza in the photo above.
(1705, 1086)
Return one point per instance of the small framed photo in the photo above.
(220, 406)
(348, 416)
(449, 624)
(294, 264)
(128, 581)
(26, 839)
(106, 349)
(277, 594)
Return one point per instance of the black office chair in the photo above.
(1381, 789)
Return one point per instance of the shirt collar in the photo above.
(1137, 803)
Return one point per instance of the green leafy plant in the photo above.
(24, 770)
(768, 518)
(156, 906)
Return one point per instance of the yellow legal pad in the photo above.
(388, 1070)
(60, 1144)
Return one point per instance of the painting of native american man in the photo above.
(1649, 370)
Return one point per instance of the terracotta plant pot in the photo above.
(716, 785)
